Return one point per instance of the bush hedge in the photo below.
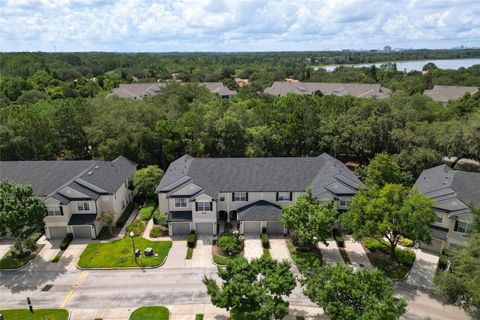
(66, 242)
(231, 244)
(404, 256)
(137, 226)
(191, 239)
(159, 217)
(158, 231)
(265, 240)
(443, 262)
(340, 241)
(406, 242)
(147, 211)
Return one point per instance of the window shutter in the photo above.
(233, 196)
(196, 206)
(277, 197)
(211, 205)
(456, 225)
(246, 196)
(291, 196)
(61, 210)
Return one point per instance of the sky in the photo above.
(236, 25)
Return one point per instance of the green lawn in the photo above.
(393, 270)
(38, 314)
(150, 313)
(119, 253)
(199, 316)
(304, 257)
(223, 260)
(11, 261)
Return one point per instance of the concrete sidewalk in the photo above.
(330, 253)
(279, 250)
(423, 270)
(356, 253)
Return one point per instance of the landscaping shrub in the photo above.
(191, 239)
(406, 242)
(199, 317)
(264, 230)
(66, 242)
(30, 244)
(231, 244)
(189, 254)
(147, 211)
(158, 231)
(265, 240)
(404, 256)
(137, 226)
(443, 262)
(56, 259)
(159, 217)
(125, 215)
(340, 241)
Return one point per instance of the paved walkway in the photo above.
(423, 270)
(253, 247)
(5, 245)
(148, 227)
(130, 219)
(202, 254)
(279, 250)
(330, 253)
(356, 253)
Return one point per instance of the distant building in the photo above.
(387, 49)
(220, 89)
(360, 90)
(241, 82)
(445, 93)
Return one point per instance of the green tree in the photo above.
(346, 294)
(19, 212)
(382, 170)
(106, 218)
(231, 137)
(310, 221)
(460, 285)
(147, 179)
(253, 290)
(391, 212)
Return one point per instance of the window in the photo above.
(222, 198)
(54, 211)
(240, 196)
(439, 218)
(204, 206)
(284, 196)
(180, 202)
(461, 226)
(344, 203)
(83, 206)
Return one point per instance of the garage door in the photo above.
(179, 228)
(275, 227)
(204, 228)
(82, 232)
(57, 232)
(436, 246)
(252, 227)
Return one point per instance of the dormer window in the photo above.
(180, 202)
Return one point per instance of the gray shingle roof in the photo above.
(90, 177)
(138, 90)
(446, 93)
(452, 190)
(260, 211)
(218, 87)
(361, 90)
(217, 175)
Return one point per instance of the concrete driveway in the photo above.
(5, 245)
(279, 250)
(202, 254)
(357, 254)
(330, 253)
(177, 254)
(253, 247)
(423, 270)
(70, 257)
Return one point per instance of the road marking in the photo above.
(76, 284)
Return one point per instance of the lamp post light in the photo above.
(133, 244)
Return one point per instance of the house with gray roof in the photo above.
(446, 93)
(75, 191)
(202, 193)
(220, 89)
(452, 191)
(359, 90)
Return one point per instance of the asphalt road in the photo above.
(163, 286)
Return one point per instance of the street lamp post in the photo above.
(133, 245)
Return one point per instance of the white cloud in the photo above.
(230, 25)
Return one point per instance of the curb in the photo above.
(125, 268)
(25, 265)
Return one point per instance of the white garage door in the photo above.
(180, 228)
(274, 227)
(436, 246)
(204, 228)
(252, 227)
(82, 232)
(57, 232)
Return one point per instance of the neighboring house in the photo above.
(138, 91)
(220, 89)
(360, 90)
(199, 193)
(452, 191)
(75, 191)
(445, 93)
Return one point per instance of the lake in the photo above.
(416, 65)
